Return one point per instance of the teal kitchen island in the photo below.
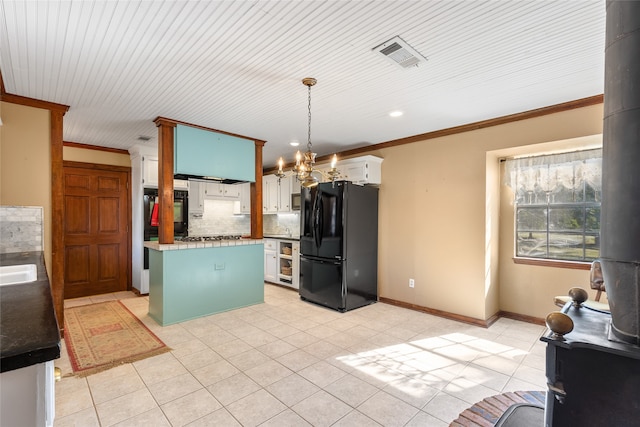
(190, 280)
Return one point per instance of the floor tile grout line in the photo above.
(361, 321)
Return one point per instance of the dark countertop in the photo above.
(29, 332)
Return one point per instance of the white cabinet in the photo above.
(245, 198)
(282, 262)
(150, 171)
(270, 194)
(150, 175)
(276, 194)
(196, 199)
(270, 260)
(284, 195)
(216, 190)
(27, 396)
(361, 170)
(212, 190)
(289, 262)
(295, 280)
(295, 185)
(231, 191)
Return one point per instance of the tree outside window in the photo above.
(557, 205)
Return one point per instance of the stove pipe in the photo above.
(620, 214)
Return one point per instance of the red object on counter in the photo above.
(154, 215)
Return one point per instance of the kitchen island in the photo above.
(190, 280)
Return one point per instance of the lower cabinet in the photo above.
(282, 262)
(270, 260)
(27, 396)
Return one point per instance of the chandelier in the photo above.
(303, 169)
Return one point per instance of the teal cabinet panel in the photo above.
(204, 153)
(189, 283)
(156, 285)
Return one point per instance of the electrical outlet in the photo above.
(412, 283)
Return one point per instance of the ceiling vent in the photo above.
(399, 52)
(144, 138)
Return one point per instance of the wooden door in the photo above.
(96, 229)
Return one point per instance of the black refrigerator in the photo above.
(339, 245)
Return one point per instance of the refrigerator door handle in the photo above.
(321, 260)
(320, 215)
(316, 220)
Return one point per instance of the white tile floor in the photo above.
(291, 363)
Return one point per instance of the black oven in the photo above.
(151, 216)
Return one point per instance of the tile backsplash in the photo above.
(218, 218)
(282, 224)
(21, 229)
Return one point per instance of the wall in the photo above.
(25, 161)
(77, 154)
(439, 221)
(25, 164)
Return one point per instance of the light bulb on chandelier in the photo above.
(303, 168)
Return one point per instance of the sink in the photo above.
(13, 274)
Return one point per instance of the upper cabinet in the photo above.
(284, 194)
(217, 190)
(276, 194)
(150, 175)
(150, 172)
(361, 170)
(199, 152)
(270, 196)
(245, 198)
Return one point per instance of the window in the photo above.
(557, 205)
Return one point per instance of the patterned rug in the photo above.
(104, 335)
(488, 411)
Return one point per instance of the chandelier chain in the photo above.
(309, 114)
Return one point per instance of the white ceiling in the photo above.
(237, 66)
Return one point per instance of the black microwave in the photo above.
(295, 202)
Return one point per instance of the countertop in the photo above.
(177, 245)
(29, 329)
(282, 237)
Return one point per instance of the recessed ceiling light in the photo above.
(294, 143)
(396, 113)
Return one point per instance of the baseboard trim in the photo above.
(464, 319)
(138, 293)
(522, 318)
(441, 313)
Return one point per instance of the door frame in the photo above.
(111, 168)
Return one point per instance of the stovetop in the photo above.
(210, 238)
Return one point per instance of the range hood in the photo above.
(213, 156)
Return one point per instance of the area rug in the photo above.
(104, 335)
(487, 412)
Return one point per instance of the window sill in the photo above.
(573, 265)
